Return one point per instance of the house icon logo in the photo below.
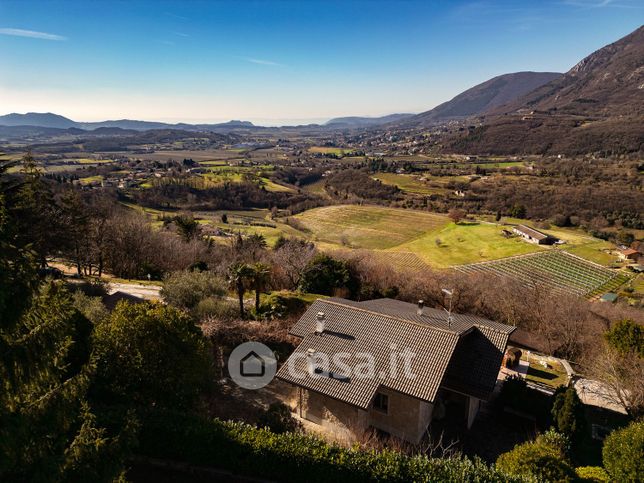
(252, 365)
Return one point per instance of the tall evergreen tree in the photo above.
(47, 429)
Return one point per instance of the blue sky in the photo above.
(279, 62)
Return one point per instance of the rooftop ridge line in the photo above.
(327, 301)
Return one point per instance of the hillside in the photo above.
(597, 106)
(40, 119)
(50, 120)
(357, 121)
(486, 96)
(607, 83)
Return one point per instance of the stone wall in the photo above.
(406, 418)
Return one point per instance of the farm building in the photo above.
(534, 236)
(609, 297)
(453, 366)
(629, 254)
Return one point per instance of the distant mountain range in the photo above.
(358, 122)
(50, 120)
(597, 106)
(473, 102)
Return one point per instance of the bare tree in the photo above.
(292, 257)
(456, 214)
(622, 375)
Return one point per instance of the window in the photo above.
(381, 402)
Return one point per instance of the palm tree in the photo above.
(261, 276)
(238, 276)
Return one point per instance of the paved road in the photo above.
(148, 292)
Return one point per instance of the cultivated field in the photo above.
(466, 242)
(422, 185)
(329, 150)
(555, 269)
(370, 227)
(408, 183)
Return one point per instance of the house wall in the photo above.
(525, 236)
(406, 418)
(343, 420)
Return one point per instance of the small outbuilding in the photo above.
(533, 235)
(629, 254)
(609, 297)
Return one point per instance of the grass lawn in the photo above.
(408, 183)
(221, 176)
(91, 179)
(272, 186)
(583, 245)
(466, 243)
(371, 227)
(317, 188)
(554, 375)
(269, 233)
(329, 150)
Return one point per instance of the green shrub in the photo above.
(150, 355)
(90, 307)
(623, 453)
(626, 337)
(325, 275)
(592, 474)
(536, 459)
(295, 456)
(556, 440)
(278, 418)
(279, 305)
(218, 308)
(186, 289)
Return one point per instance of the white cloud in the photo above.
(31, 34)
(261, 61)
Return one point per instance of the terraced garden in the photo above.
(556, 269)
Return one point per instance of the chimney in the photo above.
(310, 362)
(320, 323)
(421, 304)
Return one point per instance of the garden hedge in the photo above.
(251, 451)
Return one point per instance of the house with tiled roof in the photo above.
(629, 254)
(391, 366)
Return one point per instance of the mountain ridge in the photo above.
(481, 98)
(597, 106)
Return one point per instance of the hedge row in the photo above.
(251, 451)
